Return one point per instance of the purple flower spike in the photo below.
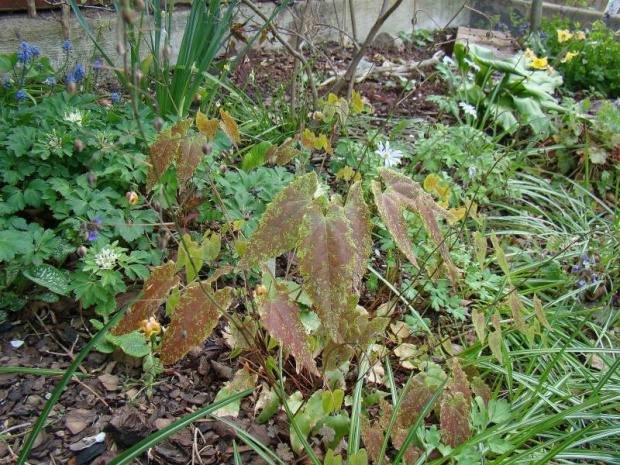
(581, 283)
(92, 236)
(97, 220)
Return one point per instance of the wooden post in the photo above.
(536, 15)
(32, 8)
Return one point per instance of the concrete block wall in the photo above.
(46, 33)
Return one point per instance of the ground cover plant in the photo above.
(216, 278)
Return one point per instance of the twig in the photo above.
(91, 390)
(291, 50)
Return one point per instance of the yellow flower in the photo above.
(260, 291)
(457, 214)
(150, 327)
(529, 54)
(564, 35)
(431, 182)
(580, 35)
(569, 56)
(443, 192)
(443, 204)
(539, 63)
(132, 198)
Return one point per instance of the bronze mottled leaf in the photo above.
(406, 193)
(419, 393)
(391, 209)
(454, 419)
(182, 126)
(155, 290)
(193, 321)
(207, 127)
(372, 436)
(229, 126)
(480, 388)
(326, 261)
(278, 227)
(280, 316)
(358, 214)
(163, 152)
(189, 155)
(458, 380)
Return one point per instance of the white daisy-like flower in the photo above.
(106, 259)
(468, 109)
(390, 156)
(471, 171)
(74, 117)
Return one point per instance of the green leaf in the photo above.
(133, 344)
(14, 243)
(242, 380)
(255, 157)
(49, 277)
(278, 227)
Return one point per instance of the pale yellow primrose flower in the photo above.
(539, 63)
(529, 54)
(580, 35)
(569, 56)
(564, 35)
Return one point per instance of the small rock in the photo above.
(129, 426)
(161, 423)
(16, 344)
(388, 43)
(222, 371)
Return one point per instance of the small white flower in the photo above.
(390, 156)
(468, 109)
(106, 259)
(447, 60)
(471, 171)
(74, 117)
(472, 64)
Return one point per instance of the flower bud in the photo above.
(158, 123)
(129, 15)
(260, 291)
(71, 87)
(78, 145)
(167, 52)
(140, 5)
(138, 75)
(92, 179)
(132, 198)
(223, 168)
(206, 149)
(120, 48)
(82, 251)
